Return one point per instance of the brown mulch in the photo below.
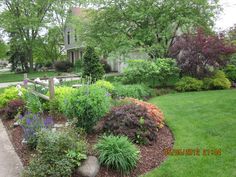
(151, 156)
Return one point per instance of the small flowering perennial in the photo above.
(33, 123)
(20, 93)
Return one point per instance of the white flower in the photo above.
(56, 81)
(45, 81)
(20, 94)
(37, 80)
(18, 87)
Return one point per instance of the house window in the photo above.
(68, 37)
(72, 57)
(75, 36)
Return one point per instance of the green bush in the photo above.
(89, 104)
(106, 85)
(33, 103)
(117, 152)
(148, 72)
(230, 72)
(91, 65)
(9, 94)
(78, 66)
(218, 81)
(54, 157)
(135, 91)
(189, 84)
(61, 94)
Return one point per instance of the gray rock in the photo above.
(24, 141)
(58, 125)
(89, 167)
(16, 124)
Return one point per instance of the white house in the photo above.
(75, 49)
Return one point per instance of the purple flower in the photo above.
(48, 122)
(20, 117)
(25, 82)
(28, 121)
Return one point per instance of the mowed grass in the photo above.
(203, 120)
(12, 77)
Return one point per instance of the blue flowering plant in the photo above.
(31, 125)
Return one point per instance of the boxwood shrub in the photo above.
(189, 84)
(218, 81)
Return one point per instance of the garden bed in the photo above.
(151, 156)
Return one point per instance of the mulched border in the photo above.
(151, 156)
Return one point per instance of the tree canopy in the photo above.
(149, 24)
(27, 20)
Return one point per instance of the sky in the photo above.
(228, 17)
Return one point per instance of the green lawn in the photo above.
(12, 77)
(204, 120)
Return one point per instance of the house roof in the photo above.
(78, 11)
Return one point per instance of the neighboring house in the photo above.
(75, 49)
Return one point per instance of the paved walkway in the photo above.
(3, 85)
(10, 164)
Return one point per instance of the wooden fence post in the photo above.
(51, 88)
(25, 82)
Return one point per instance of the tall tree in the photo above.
(3, 49)
(29, 19)
(150, 24)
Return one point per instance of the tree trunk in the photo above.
(30, 59)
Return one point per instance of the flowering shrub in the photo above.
(152, 111)
(131, 120)
(13, 107)
(31, 125)
(11, 93)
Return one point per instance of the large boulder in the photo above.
(89, 167)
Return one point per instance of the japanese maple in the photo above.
(199, 54)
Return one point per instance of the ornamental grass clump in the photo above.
(118, 153)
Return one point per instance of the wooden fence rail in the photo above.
(50, 86)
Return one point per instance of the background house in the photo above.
(74, 48)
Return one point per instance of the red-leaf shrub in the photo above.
(133, 121)
(152, 111)
(137, 119)
(198, 53)
(13, 107)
